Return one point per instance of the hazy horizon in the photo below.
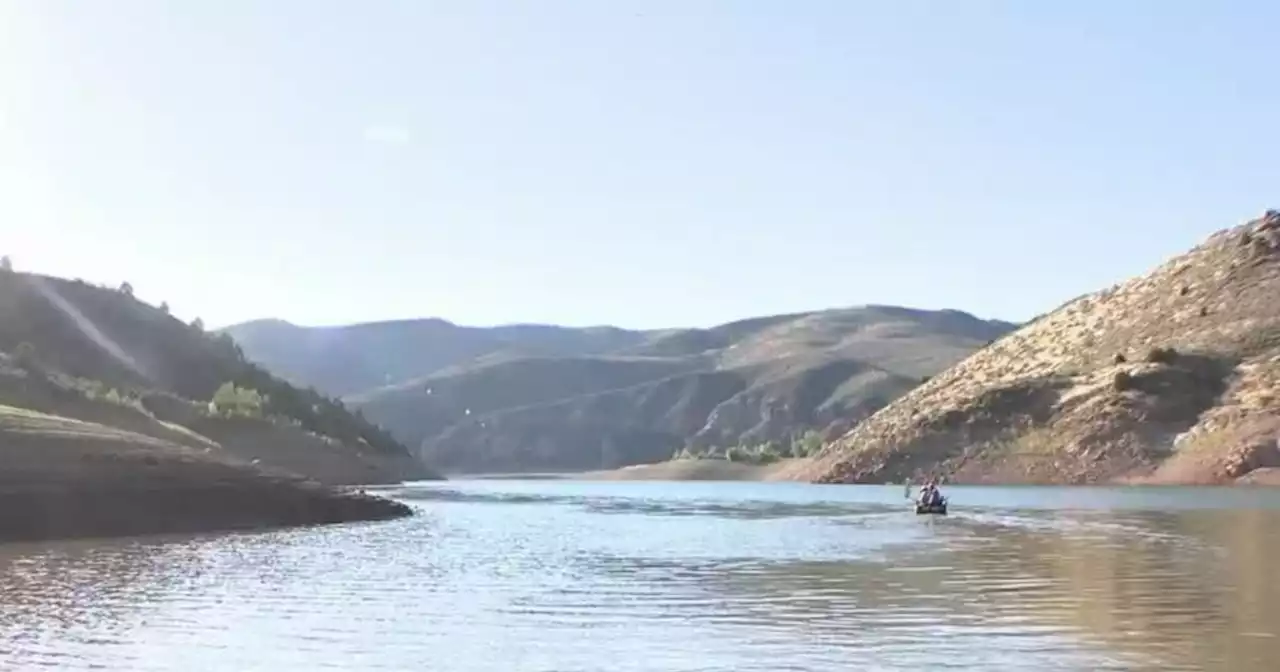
(643, 165)
(584, 325)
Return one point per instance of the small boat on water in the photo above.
(939, 509)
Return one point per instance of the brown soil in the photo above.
(1170, 377)
(64, 478)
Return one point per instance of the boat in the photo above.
(939, 509)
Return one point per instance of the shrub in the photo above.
(6, 264)
(807, 445)
(231, 400)
(1162, 355)
(767, 455)
(1122, 381)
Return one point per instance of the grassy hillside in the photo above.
(73, 346)
(1173, 376)
(609, 397)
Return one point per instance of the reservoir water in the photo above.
(565, 576)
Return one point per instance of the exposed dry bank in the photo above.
(696, 470)
(63, 478)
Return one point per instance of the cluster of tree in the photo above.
(803, 445)
(231, 401)
(312, 410)
(99, 391)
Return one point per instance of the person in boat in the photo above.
(929, 494)
(935, 495)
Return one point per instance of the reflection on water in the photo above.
(546, 575)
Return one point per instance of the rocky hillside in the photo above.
(1173, 376)
(92, 354)
(535, 398)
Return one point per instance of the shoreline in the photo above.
(723, 470)
(62, 478)
(60, 514)
(693, 470)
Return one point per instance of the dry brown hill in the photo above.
(752, 382)
(116, 418)
(1173, 376)
(80, 341)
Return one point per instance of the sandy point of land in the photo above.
(694, 470)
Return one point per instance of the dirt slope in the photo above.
(63, 478)
(1173, 376)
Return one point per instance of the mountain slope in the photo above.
(73, 345)
(357, 358)
(1173, 376)
(613, 397)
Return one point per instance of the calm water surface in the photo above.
(566, 576)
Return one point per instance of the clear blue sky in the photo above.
(662, 163)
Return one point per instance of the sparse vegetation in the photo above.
(495, 392)
(804, 445)
(807, 445)
(98, 391)
(764, 453)
(232, 401)
(1207, 366)
(100, 433)
(130, 358)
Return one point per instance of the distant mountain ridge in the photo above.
(526, 397)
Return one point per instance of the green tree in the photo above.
(164, 307)
(807, 445)
(232, 400)
(126, 288)
(6, 264)
(197, 324)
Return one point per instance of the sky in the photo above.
(644, 164)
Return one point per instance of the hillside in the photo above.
(537, 398)
(1171, 377)
(357, 358)
(73, 346)
(66, 478)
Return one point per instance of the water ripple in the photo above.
(564, 576)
